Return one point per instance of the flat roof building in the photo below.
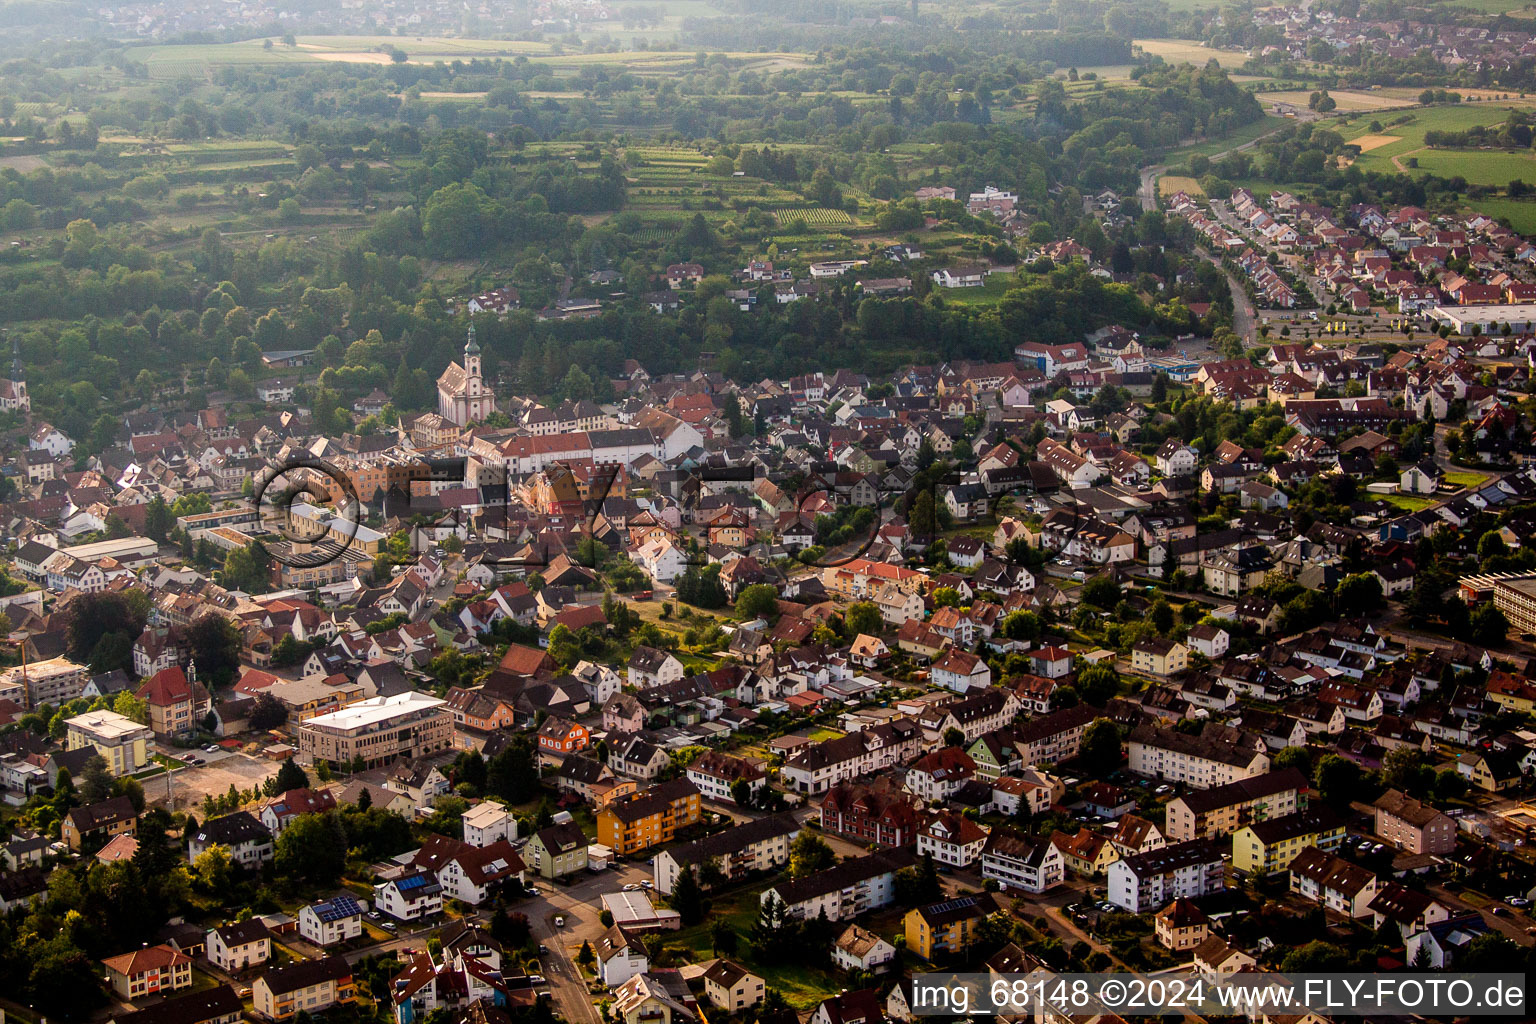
(379, 730)
(122, 741)
(1521, 317)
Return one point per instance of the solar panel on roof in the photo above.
(337, 908)
(413, 882)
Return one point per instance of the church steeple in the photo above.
(471, 347)
(16, 373)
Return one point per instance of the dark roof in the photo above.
(1268, 784)
(722, 844)
(304, 973)
(219, 1001)
(652, 801)
(232, 830)
(241, 932)
(840, 876)
(102, 813)
(560, 838)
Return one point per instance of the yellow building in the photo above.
(1264, 846)
(123, 742)
(648, 818)
(1087, 854)
(945, 929)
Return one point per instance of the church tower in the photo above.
(478, 404)
(472, 362)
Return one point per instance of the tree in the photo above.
(1359, 593)
(290, 776)
(1161, 615)
(1101, 745)
(1490, 627)
(1101, 592)
(1291, 757)
(688, 899)
(585, 957)
(863, 617)
(757, 601)
(312, 847)
(808, 854)
(1335, 778)
(213, 868)
(95, 780)
(1022, 625)
(267, 712)
(741, 793)
(130, 706)
(722, 937)
(953, 737)
(1097, 684)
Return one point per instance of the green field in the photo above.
(1409, 502)
(195, 60)
(1247, 133)
(1479, 167)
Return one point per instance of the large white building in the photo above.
(1181, 871)
(380, 730)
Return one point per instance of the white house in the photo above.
(234, 947)
(489, 822)
(470, 874)
(1185, 870)
(859, 949)
(331, 921)
(411, 897)
(1019, 862)
(620, 956)
(961, 671)
(661, 559)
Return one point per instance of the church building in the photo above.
(462, 397)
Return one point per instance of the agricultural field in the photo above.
(196, 60)
(1168, 184)
(1189, 51)
(1406, 152)
(1347, 100)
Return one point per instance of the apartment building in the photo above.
(1219, 811)
(1271, 845)
(1337, 884)
(753, 847)
(380, 730)
(820, 766)
(843, 891)
(123, 742)
(649, 818)
(1019, 861)
(304, 985)
(941, 930)
(1218, 755)
(1413, 826)
(1185, 870)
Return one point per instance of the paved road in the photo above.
(1147, 192)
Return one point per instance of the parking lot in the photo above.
(219, 771)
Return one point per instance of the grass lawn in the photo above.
(995, 286)
(1465, 478)
(823, 733)
(1409, 502)
(803, 986)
